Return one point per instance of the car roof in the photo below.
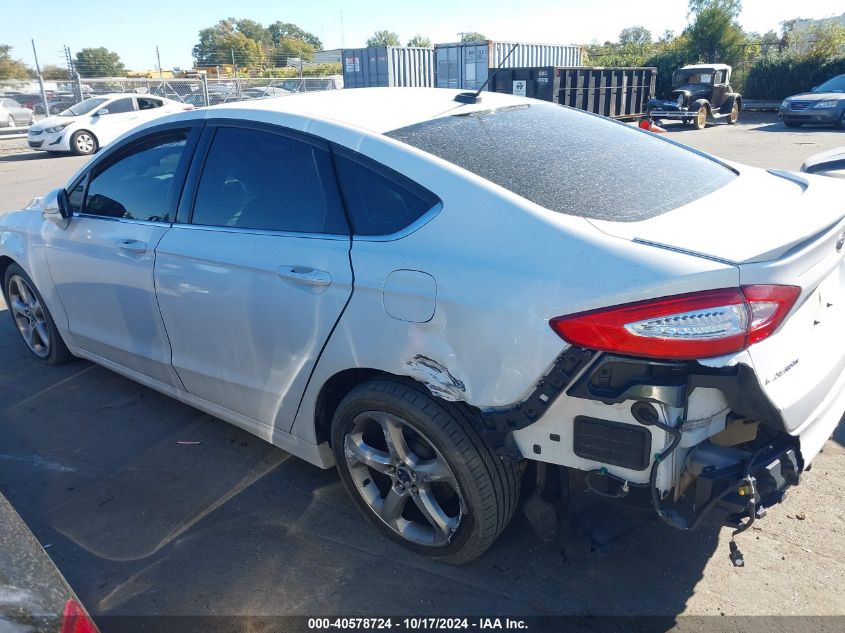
(377, 110)
(706, 67)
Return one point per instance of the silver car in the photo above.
(433, 292)
(13, 114)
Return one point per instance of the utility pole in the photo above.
(342, 36)
(234, 67)
(158, 57)
(40, 81)
(69, 61)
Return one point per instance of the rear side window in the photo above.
(571, 162)
(379, 200)
(148, 103)
(259, 180)
(138, 184)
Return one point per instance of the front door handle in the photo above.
(132, 247)
(305, 275)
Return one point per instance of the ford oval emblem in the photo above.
(840, 242)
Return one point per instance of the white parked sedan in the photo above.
(430, 292)
(91, 124)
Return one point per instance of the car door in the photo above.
(120, 117)
(102, 262)
(254, 277)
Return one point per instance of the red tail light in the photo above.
(75, 620)
(683, 327)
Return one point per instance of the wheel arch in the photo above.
(333, 391)
(5, 262)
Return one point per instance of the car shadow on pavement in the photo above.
(780, 127)
(20, 157)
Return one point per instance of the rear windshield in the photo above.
(571, 162)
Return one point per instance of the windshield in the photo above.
(84, 107)
(571, 162)
(687, 77)
(837, 84)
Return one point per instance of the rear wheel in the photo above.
(733, 117)
(700, 120)
(10, 122)
(83, 143)
(420, 472)
(32, 319)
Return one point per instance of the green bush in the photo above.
(776, 77)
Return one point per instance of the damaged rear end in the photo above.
(713, 402)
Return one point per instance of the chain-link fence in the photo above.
(52, 97)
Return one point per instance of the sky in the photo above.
(133, 29)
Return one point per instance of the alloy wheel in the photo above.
(403, 478)
(29, 316)
(84, 143)
(11, 121)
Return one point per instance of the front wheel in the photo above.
(10, 122)
(841, 124)
(32, 319)
(700, 120)
(83, 143)
(420, 472)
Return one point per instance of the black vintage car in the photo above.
(699, 92)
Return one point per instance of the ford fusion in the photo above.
(428, 291)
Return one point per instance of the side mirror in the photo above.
(101, 112)
(56, 205)
(830, 163)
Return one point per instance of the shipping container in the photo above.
(388, 66)
(466, 64)
(612, 92)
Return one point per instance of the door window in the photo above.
(254, 179)
(379, 200)
(138, 185)
(120, 106)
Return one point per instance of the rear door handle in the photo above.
(305, 275)
(132, 247)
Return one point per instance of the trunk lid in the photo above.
(758, 217)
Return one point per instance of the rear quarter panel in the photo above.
(503, 267)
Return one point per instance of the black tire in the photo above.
(488, 485)
(792, 124)
(79, 144)
(841, 124)
(55, 352)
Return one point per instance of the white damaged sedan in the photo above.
(91, 124)
(432, 291)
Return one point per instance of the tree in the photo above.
(281, 30)
(53, 72)
(635, 36)
(420, 41)
(11, 68)
(99, 62)
(383, 38)
(715, 36)
(825, 41)
(250, 43)
(472, 36)
(731, 7)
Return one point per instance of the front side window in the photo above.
(138, 185)
(254, 179)
(120, 106)
(379, 200)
